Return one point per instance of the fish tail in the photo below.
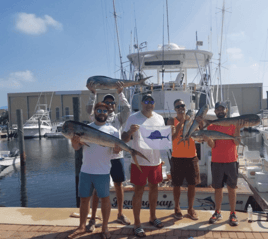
(142, 81)
(180, 141)
(168, 136)
(133, 154)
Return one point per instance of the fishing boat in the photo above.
(8, 161)
(31, 126)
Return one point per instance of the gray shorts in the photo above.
(224, 173)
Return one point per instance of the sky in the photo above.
(50, 45)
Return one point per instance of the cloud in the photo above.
(235, 53)
(17, 79)
(30, 24)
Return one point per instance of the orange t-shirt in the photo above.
(224, 150)
(181, 151)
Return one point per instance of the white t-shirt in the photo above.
(140, 119)
(96, 158)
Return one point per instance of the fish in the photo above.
(206, 202)
(198, 135)
(89, 134)
(187, 125)
(201, 112)
(248, 120)
(104, 82)
(157, 135)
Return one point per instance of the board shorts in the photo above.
(89, 182)
(151, 173)
(224, 173)
(117, 170)
(185, 168)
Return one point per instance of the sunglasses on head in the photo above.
(148, 102)
(99, 111)
(109, 103)
(180, 106)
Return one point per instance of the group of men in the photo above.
(101, 162)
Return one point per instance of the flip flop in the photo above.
(157, 223)
(139, 232)
(75, 234)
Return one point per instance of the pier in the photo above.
(18, 222)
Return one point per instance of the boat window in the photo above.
(57, 113)
(67, 113)
(45, 123)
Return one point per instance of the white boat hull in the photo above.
(34, 132)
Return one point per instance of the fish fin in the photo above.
(133, 154)
(142, 81)
(188, 143)
(184, 142)
(180, 141)
(85, 144)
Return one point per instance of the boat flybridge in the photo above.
(184, 66)
(31, 127)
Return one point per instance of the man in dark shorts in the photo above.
(117, 120)
(185, 163)
(224, 165)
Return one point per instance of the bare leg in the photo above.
(191, 196)
(105, 210)
(120, 196)
(218, 199)
(232, 198)
(153, 195)
(176, 195)
(95, 202)
(84, 208)
(136, 203)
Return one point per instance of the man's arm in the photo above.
(92, 100)
(125, 106)
(175, 129)
(209, 141)
(126, 135)
(238, 126)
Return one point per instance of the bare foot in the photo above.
(77, 232)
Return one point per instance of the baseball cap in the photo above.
(108, 96)
(145, 97)
(220, 103)
(101, 104)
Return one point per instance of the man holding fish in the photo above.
(95, 170)
(224, 164)
(117, 169)
(151, 171)
(184, 161)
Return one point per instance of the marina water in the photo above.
(50, 173)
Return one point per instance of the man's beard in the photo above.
(221, 115)
(101, 119)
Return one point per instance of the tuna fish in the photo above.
(104, 82)
(187, 124)
(89, 134)
(201, 112)
(198, 135)
(247, 120)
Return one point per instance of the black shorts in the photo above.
(224, 173)
(117, 170)
(185, 168)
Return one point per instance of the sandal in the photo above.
(75, 234)
(105, 236)
(157, 223)
(178, 215)
(192, 214)
(139, 232)
(91, 225)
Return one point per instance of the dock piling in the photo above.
(39, 128)
(21, 137)
(78, 153)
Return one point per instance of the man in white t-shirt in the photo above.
(95, 172)
(151, 171)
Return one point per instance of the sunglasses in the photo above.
(99, 111)
(109, 103)
(148, 102)
(180, 106)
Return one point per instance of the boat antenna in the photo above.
(117, 33)
(167, 21)
(163, 68)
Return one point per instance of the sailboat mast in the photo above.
(167, 21)
(120, 56)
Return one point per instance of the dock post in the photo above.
(7, 131)
(21, 137)
(39, 129)
(78, 153)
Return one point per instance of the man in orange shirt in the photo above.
(184, 162)
(224, 164)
